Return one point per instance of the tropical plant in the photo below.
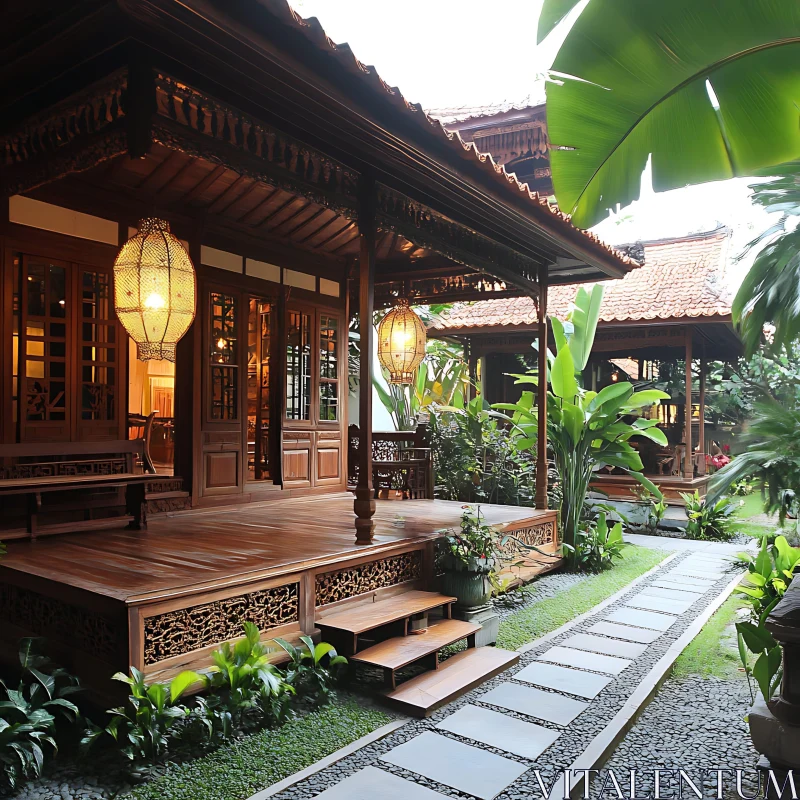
(476, 546)
(442, 380)
(673, 82)
(597, 545)
(587, 430)
(29, 713)
(475, 459)
(244, 681)
(768, 576)
(144, 727)
(313, 670)
(708, 520)
(771, 457)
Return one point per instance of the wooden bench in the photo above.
(34, 469)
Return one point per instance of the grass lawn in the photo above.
(239, 769)
(713, 651)
(752, 504)
(529, 623)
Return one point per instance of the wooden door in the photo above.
(315, 354)
(222, 453)
(67, 359)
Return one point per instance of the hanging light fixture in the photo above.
(401, 342)
(154, 290)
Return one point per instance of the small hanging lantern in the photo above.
(154, 290)
(401, 342)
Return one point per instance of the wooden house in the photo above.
(306, 191)
(675, 307)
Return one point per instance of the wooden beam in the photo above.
(688, 464)
(254, 213)
(541, 396)
(220, 203)
(364, 504)
(204, 184)
(153, 182)
(701, 436)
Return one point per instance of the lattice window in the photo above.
(328, 368)
(259, 341)
(98, 353)
(298, 365)
(224, 368)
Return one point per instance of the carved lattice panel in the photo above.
(353, 581)
(176, 633)
(538, 535)
(59, 621)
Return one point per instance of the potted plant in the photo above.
(470, 560)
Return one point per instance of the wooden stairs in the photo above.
(404, 630)
(166, 494)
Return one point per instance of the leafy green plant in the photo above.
(476, 546)
(597, 545)
(312, 670)
(244, 682)
(768, 575)
(144, 727)
(708, 520)
(741, 488)
(767, 669)
(771, 457)
(28, 713)
(587, 430)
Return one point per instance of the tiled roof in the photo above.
(449, 116)
(538, 208)
(680, 278)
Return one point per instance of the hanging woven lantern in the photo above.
(401, 343)
(154, 290)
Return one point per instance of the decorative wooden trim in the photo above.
(331, 587)
(274, 157)
(60, 621)
(427, 228)
(185, 630)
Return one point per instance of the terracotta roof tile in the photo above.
(680, 278)
(538, 209)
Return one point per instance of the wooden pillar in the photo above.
(688, 464)
(472, 362)
(701, 438)
(541, 395)
(364, 504)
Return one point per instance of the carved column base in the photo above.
(364, 506)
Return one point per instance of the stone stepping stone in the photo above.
(641, 635)
(460, 766)
(642, 619)
(501, 731)
(699, 572)
(608, 647)
(582, 660)
(689, 580)
(698, 591)
(371, 783)
(548, 706)
(563, 679)
(671, 594)
(659, 604)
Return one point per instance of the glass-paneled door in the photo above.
(259, 345)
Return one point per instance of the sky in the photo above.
(447, 54)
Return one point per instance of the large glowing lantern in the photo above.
(154, 290)
(401, 343)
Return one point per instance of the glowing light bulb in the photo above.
(220, 344)
(154, 301)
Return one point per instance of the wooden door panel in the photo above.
(297, 468)
(221, 471)
(329, 458)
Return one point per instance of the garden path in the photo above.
(567, 704)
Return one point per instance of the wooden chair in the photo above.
(143, 427)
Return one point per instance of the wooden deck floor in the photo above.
(214, 549)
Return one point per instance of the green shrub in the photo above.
(597, 546)
(708, 521)
(28, 714)
(248, 690)
(312, 670)
(144, 727)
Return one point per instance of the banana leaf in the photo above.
(706, 90)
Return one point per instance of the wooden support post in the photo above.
(472, 362)
(688, 461)
(541, 395)
(701, 437)
(364, 504)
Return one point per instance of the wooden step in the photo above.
(400, 651)
(421, 696)
(366, 616)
